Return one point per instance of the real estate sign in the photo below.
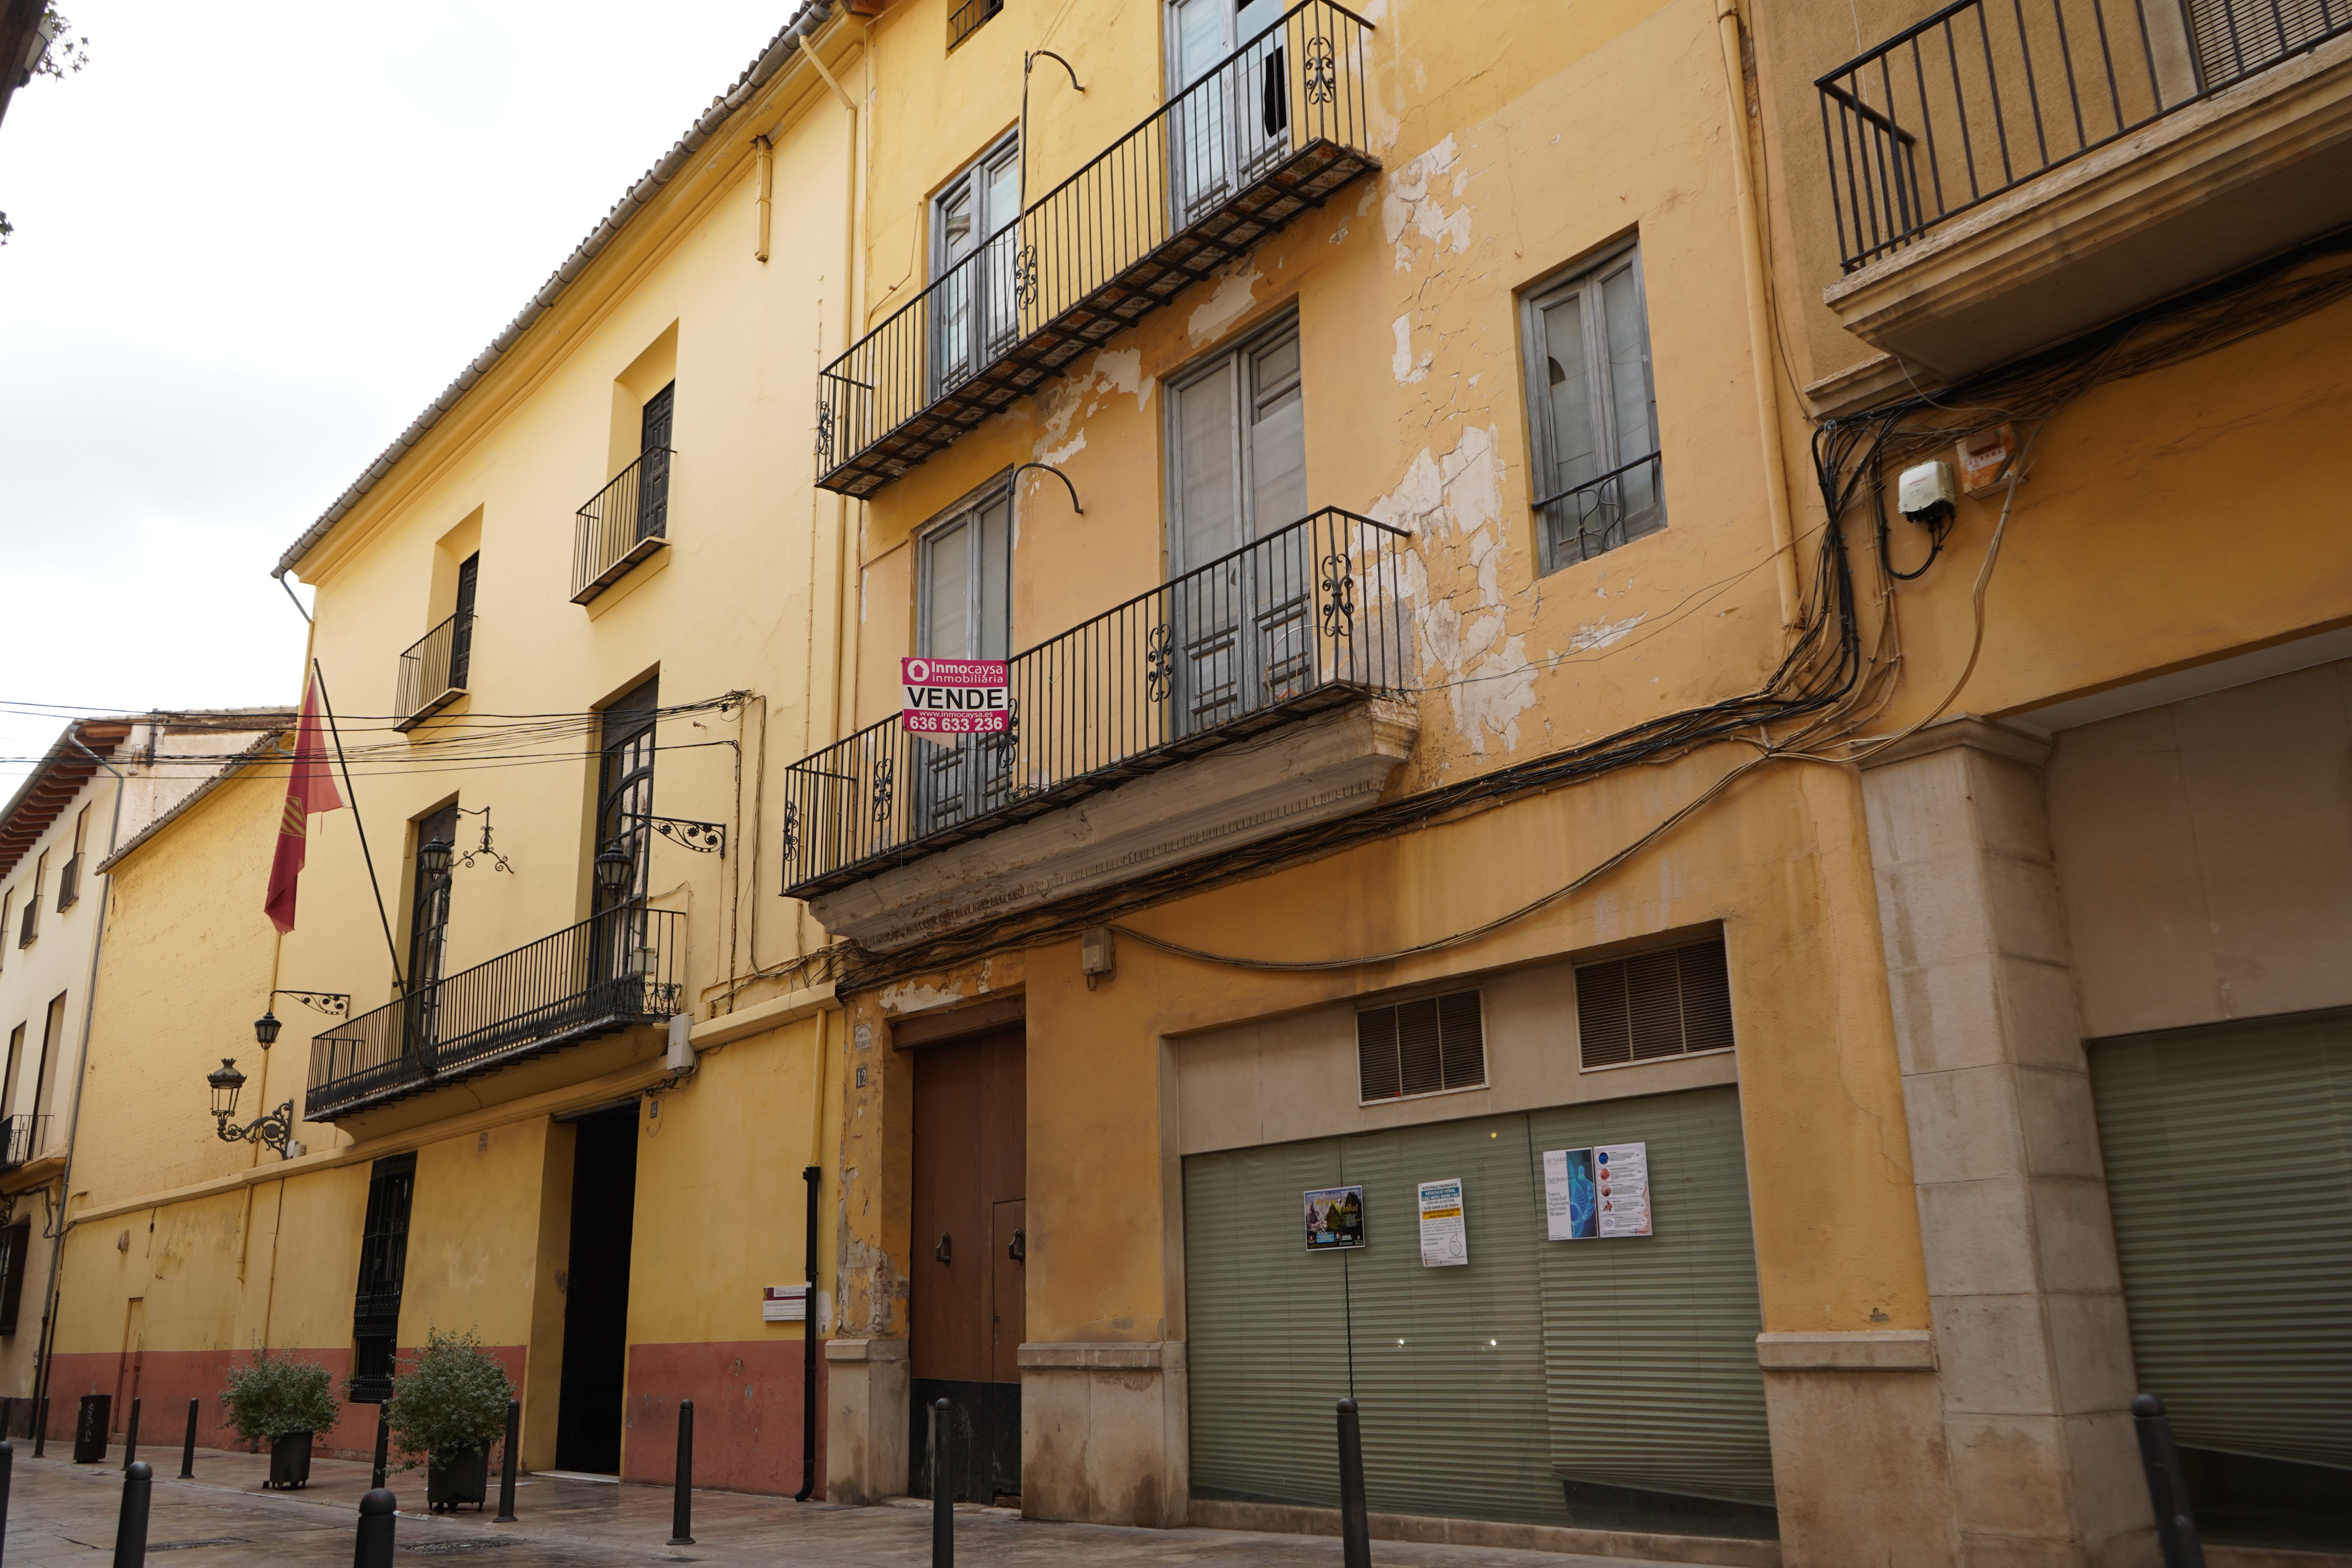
(956, 696)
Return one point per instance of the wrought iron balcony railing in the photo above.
(432, 671)
(1986, 94)
(69, 884)
(625, 522)
(1273, 130)
(1302, 620)
(618, 969)
(21, 1137)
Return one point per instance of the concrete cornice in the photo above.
(1964, 729)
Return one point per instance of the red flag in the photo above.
(310, 789)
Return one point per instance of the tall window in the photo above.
(428, 907)
(15, 1066)
(1232, 118)
(966, 583)
(1241, 629)
(14, 1242)
(45, 1087)
(654, 426)
(384, 1268)
(1593, 411)
(70, 880)
(624, 791)
(7, 908)
(975, 312)
(30, 927)
(461, 633)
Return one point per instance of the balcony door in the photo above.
(653, 455)
(1240, 604)
(1233, 116)
(975, 307)
(428, 930)
(625, 796)
(966, 596)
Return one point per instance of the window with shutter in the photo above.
(384, 1268)
(2237, 37)
(14, 1244)
(1432, 1045)
(1652, 1005)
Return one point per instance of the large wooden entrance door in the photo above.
(969, 1260)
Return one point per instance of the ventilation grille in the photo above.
(1653, 1005)
(1421, 1047)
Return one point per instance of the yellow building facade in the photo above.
(1641, 816)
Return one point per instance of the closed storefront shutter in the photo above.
(1650, 1346)
(2228, 1155)
(1605, 1382)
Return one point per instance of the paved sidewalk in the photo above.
(61, 1514)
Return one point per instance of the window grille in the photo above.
(31, 926)
(1653, 1005)
(383, 1268)
(1427, 1047)
(964, 20)
(69, 884)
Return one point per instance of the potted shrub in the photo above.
(449, 1405)
(282, 1400)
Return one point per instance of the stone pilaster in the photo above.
(867, 1391)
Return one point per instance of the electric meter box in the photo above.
(1925, 493)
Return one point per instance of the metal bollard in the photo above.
(2167, 1485)
(188, 1449)
(130, 1438)
(1355, 1522)
(681, 1514)
(507, 1471)
(374, 1547)
(130, 1524)
(942, 1491)
(7, 1416)
(41, 1430)
(8, 1471)
(382, 1447)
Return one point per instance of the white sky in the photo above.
(251, 244)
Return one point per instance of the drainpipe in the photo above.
(763, 163)
(81, 1065)
(1759, 320)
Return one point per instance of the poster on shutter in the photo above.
(1335, 1218)
(1597, 1192)
(1444, 1237)
(956, 696)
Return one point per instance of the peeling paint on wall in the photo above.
(1410, 205)
(916, 997)
(1229, 304)
(1408, 369)
(1114, 370)
(1601, 634)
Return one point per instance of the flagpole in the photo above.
(359, 821)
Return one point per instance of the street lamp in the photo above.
(271, 1130)
(266, 1027)
(433, 858)
(614, 869)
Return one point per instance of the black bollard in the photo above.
(942, 1491)
(681, 1514)
(130, 1438)
(130, 1524)
(2167, 1485)
(41, 1430)
(507, 1471)
(1355, 1522)
(7, 1416)
(188, 1449)
(382, 1446)
(374, 1547)
(7, 1470)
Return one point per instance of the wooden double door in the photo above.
(970, 1261)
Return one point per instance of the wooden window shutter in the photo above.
(1653, 1005)
(1423, 1047)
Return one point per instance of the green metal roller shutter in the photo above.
(2228, 1155)
(1650, 1342)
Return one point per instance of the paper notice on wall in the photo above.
(1445, 1238)
(1591, 1194)
(784, 1304)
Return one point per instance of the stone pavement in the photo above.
(62, 1514)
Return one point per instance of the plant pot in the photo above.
(289, 1460)
(459, 1477)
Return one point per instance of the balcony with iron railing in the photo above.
(1272, 131)
(22, 1137)
(69, 884)
(432, 671)
(622, 525)
(618, 970)
(1302, 621)
(2037, 165)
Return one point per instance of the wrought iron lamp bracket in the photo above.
(702, 837)
(465, 857)
(271, 1131)
(333, 1003)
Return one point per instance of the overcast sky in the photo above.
(252, 243)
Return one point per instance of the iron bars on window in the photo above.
(1986, 94)
(619, 969)
(1274, 129)
(21, 1137)
(622, 525)
(431, 672)
(1305, 619)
